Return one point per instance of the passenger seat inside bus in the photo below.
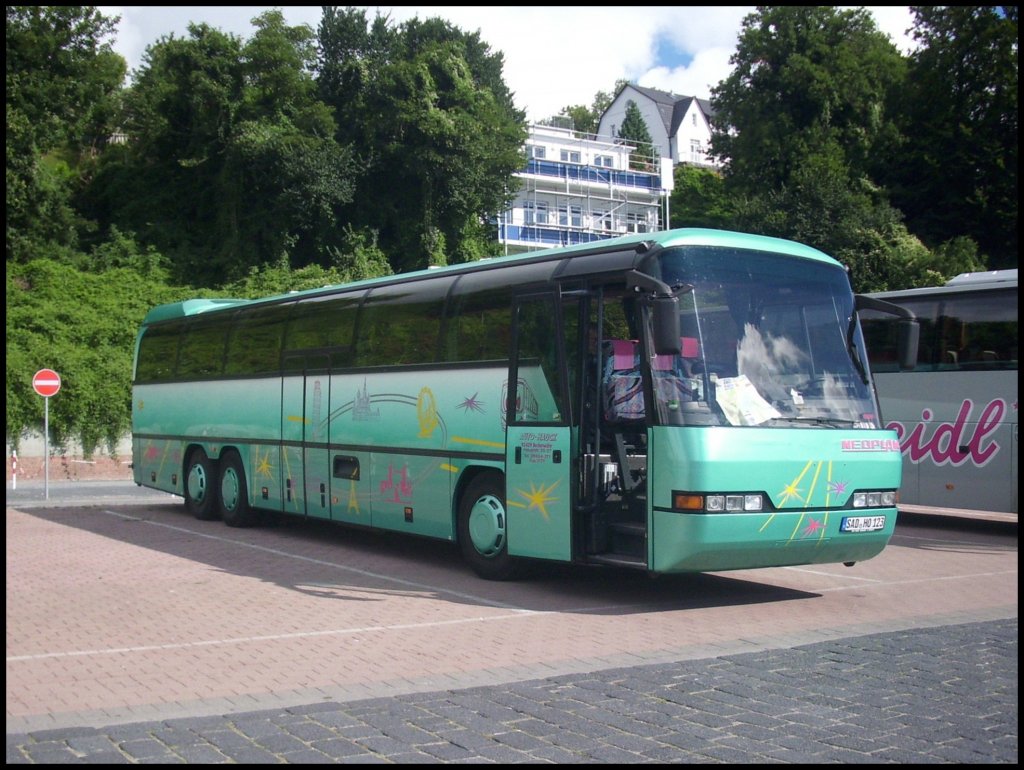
(622, 399)
(623, 385)
(621, 381)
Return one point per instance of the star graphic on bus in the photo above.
(263, 466)
(471, 404)
(812, 528)
(837, 487)
(790, 491)
(539, 497)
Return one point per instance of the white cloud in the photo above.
(555, 56)
(708, 68)
(895, 20)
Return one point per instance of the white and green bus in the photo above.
(682, 401)
(956, 411)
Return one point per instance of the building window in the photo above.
(602, 220)
(537, 152)
(535, 213)
(570, 156)
(696, 152)
(603, 160)
(695, 118)
(570, 216)
(636, 223)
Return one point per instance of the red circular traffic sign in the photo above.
(46, 382)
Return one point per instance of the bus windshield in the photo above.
(767, 340)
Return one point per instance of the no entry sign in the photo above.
(46, 382)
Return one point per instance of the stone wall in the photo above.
(68, 464)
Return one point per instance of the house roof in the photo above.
(672, 107)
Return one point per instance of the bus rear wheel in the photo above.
(482, 523)
(200, 498)
(234, 497)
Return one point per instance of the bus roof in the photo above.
(627, 243)
(189, 307)
(965, 282)
(985, 277)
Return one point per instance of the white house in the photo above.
(680, 126)
(578, 188)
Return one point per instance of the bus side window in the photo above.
(478, 328)
(254, 345)
(982, 328)
(158, 352)
(399, 325)
(203, 347)
(321, 323)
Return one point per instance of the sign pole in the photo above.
(46, 383)
(46, 447)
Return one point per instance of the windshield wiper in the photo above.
(851, 348)
(825, 422)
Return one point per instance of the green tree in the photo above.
(805, 80)
(699, 199)
(798, 124)
(433, 123)
(634, 130)
(586, 119)
(232, 161)
(820, 207)
(956, 172)
(62, 78)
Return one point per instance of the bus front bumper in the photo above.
(701, 542)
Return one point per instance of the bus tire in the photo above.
(482, 523)
(200, 493)
(234, 495)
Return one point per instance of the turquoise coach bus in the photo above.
(681, 401)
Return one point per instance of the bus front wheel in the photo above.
(482, 526)
(234, 497)
(200, 498)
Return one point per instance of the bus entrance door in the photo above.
(537, 491)
(538, 462)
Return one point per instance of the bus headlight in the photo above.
(881, 499)
(718, 503)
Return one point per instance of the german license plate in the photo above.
(862, 523)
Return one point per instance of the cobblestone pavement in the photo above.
(946, 694)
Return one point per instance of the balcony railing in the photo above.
(576, 173)
(549, 235)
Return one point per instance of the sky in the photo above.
(555, 56)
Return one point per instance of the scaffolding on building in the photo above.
(564, 202)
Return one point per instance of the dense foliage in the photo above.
(955, 172)
(811, 126)
(294, 158)
(232, 161)
(428, 113)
